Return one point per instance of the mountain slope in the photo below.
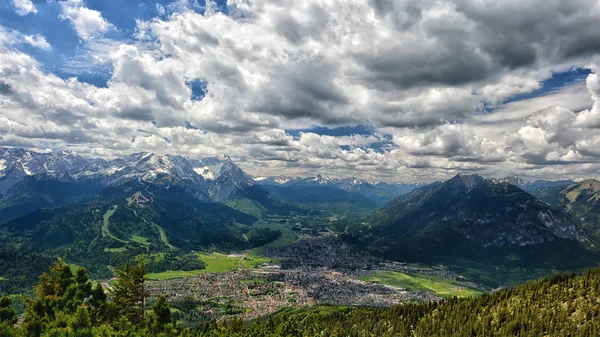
(212, 179)
(326, 198)
(533, 185)
(16, 164)
(475, 219)
(209, 179)
(43, 190)
(581, 200)
(123, 222)
(379, 193)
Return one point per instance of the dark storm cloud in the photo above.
(406, 67)
(479, 40)
(305, 89)
(5, 88)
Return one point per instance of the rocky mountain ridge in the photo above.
(378, 192)
(470, 217)
(209, 179)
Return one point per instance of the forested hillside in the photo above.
(564, 305)
(470, 222)
(114, 229)
(68, 304)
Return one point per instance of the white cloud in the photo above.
(24, 7)
(88, 23)
(591, 118)
(160, 9)
(10, 37)
(37, 41)
(419, 71)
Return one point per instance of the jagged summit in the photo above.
(532, 185)
(468, 214)
(469, 180)
(379, 192)
(210, 179)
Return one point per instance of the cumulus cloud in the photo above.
(419, 73)
(557, 136)
(87, 23)
(591, 118)
(10, 37)
(24, 7)
(37, 41)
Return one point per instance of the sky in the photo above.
(384, 90)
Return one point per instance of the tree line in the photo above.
(67, 304)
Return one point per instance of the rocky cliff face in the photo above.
(580, 200)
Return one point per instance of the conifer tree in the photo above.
(8, 318)
(128, 292)
(162, 316)
(7, 315)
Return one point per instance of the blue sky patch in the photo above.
(555, 82)
(190, 126)
(362, 130)
(69, 56)
(198, 88)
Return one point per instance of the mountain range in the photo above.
(99, 212)
(378, 192)
(470, 220)
(208, 179)
(533, 185)
(581, 200)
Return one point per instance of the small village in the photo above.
(315, 270)
(253, 293)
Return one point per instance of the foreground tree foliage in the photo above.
(67, 304)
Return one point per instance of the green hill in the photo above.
(122, 224)
(472, 223)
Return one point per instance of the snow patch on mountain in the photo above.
(210, 179)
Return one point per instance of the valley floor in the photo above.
(302, 270)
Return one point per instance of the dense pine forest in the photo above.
(68, 303)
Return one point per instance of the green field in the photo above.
(115, 250)
(426, 283)
(222, 263)
(247, 206)
(105, 230)
(166, 275)
(140, 239)
(217, 263)
(157, 256)
(288, 236)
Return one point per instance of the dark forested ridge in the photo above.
(472, 221)
(69, 304)
(122, 224)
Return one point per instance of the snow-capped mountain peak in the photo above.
(213, 178)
